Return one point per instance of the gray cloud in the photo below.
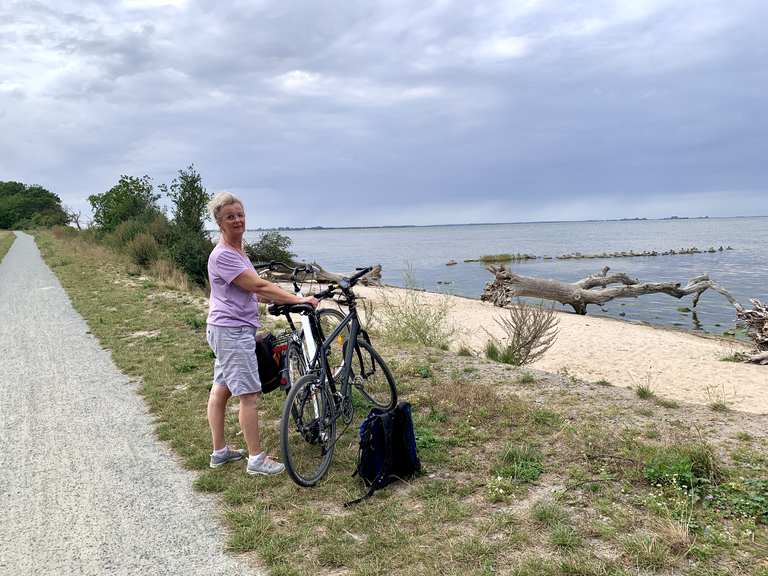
(390, 112)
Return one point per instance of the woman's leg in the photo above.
(217, 405)
(249, 422)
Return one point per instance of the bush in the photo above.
(143, 249)
(270, 246)
(124, 233)
(190, 252)
(531, 329)
(409, 317)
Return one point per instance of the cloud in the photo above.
(440, 110)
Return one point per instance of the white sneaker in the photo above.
(264, 466)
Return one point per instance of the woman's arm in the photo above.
(266, 290)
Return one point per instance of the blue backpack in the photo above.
(387, 448)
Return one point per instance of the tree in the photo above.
(190, 245)
(23, 206)
(270, 246)
(190, 201)
(130, 198)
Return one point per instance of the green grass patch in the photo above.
(687, 466)
(526, 378)
(644, 393)
(519, 463)
(6, 240)
(503, 354)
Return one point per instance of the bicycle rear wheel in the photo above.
(308, 430)
(371, 377)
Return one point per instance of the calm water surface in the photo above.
(426, 250)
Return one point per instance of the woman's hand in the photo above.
(312, 301)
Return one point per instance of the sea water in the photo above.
(425, 252)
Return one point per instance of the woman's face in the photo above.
(232, 220)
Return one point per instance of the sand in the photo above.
(675, 365)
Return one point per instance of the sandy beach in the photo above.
(675, 365)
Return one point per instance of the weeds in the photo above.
(409, 317)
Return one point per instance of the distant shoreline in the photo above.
(402, 226)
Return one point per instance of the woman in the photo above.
(233, 318)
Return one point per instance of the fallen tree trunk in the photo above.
(507, 286)
(322, 276)
(757, 329)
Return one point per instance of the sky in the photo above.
(339, 113)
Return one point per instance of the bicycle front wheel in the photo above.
(295, 364)
(308, 430)
(372, 378)
(329, 319)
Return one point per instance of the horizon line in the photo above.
(635, 219)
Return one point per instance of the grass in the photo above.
(526, 378)
(645, 393)
(406, 316)
(495, 258)
(6, 239)
(518, 479)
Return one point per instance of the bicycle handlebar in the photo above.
(344, 284)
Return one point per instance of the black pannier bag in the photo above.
(270, 355)
(387, 448)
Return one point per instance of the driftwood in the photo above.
(322, 276)
(757, 329)
(508, 286)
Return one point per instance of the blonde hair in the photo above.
(219, 201)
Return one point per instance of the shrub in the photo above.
(409, 317)
(124, 233)
(530, 329)
(270, 246)
(143, 249)
(190, 252)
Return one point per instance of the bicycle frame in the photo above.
(353, 322)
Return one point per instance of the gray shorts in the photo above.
(235, 366)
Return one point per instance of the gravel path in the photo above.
(85, 487)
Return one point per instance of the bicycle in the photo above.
(323, 395)
(301, 347)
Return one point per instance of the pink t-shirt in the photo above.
(230, 305)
